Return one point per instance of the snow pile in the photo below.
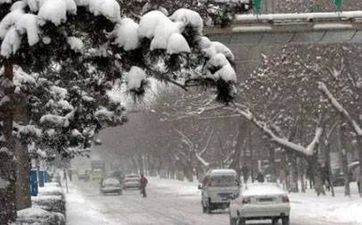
(215, 48)
(108, 8)
(21, 78)
(13, 26)
(50, 203)
(135, 77)
(58, 92)
(76, 44)
(126, 34)
(54, 121)
(11, 43)
(104, 114)
(166, 32)
(38, 216)
(29, 131)
(8, 21)
(149, 22)
(218, 67)
(189, 18)
(176, 44)
(54, 11)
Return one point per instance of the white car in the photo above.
(111, 185)
(260, 202)
(218, 188)
(131, 181)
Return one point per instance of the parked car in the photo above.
(111, 185)
(84, 175)
(339, 175)
(218, 188)
(97, 174)
(131, 181)
(117, 174)
(260, 202)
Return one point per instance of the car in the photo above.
(260, 202)
(116, 174)
(218, 188)
(131, 181)
(84, 175)
(111, 185)
(97, 174)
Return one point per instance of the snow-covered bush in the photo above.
(50, 190)
(50, 203)
(37, 216)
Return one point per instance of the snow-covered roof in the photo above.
(222, 172)
(110, 182)
(262, 189)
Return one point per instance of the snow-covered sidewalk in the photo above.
(81, 211)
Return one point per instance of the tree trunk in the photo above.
(343, 155)
(23, 165)
(328, 164)
(235, 164)
(359, 141)
(284, 171)
(293, 172)
(250, 147)
(272, 164)
(7, 165)
(301, 167)
(23, 197)
(316, 172)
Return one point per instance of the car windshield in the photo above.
(223, 181)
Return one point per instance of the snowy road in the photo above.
(166, 205)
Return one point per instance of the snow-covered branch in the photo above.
(203, 151)
(185, 139)
(281, 141)
(324, 89)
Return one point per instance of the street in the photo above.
(167, 205)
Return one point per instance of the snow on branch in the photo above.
(6, 151)
(203, 151)
(201, 160)
(318, 133)
(185, 139)
(324, 89)
(284, 142)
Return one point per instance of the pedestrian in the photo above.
(70, 174)
(245, 172)
(143, 183)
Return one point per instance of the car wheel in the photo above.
(275, 221)
(242, 221)
(285, 220)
